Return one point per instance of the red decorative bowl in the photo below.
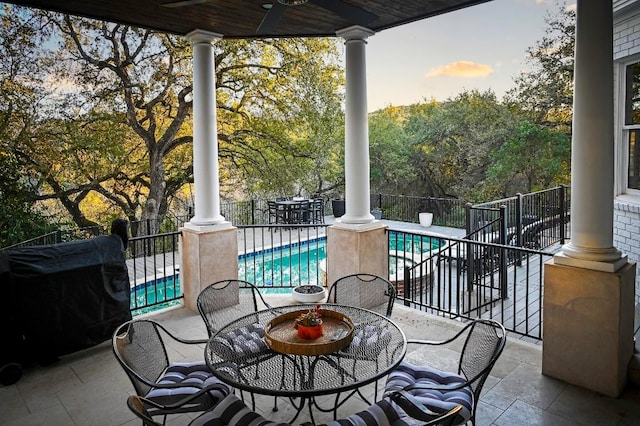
(309, 332)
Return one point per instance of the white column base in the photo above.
(347, 219)
(595, 265)
(206, 224)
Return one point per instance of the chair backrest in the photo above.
(226, 300)
(482, 347)
(317, 208)
(365, 291)
(272, 207)
(140, 350)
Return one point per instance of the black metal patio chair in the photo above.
(277, 213)
(139, 346)
(371, 292)
(397, 411)
(231, 411)
(225, 301)
(439, 390)
(364, 291)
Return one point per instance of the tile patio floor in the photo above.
(89, 387)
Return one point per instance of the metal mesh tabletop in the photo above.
(237, 355)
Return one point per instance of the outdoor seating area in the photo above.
(90, 387)
(296, 210)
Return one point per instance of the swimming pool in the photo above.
(156, 294)
(299, 263)
(282, 267)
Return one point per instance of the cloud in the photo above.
(571, 6)
(464, 69)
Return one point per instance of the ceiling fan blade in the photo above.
(351, 13)
(272, 18)
(183, 3)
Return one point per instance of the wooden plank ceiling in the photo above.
(242, 18)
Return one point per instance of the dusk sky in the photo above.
(480, 47)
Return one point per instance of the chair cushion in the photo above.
(370, 339)
(435, 400)
(193, 376)
(231, 411)
(382, 413)
(244, 340)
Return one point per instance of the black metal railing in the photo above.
(474, 279)
(154, 265)
(536, 220)
(281, 256)
(448, 212)
(42, 240)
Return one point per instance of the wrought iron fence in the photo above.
(154, 271)
(49, 238)
(536, 220)
(473, 279)
(281, 256)
(446, 211)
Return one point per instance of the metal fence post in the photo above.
(253, 209)
(518, 226)
(503, 252)
(563, 213)
(470, 255)
(407, 287)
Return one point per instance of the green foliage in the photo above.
(546, 92)
(117, 139)
(533, 159)
(390, 172)
(452, 143)
(20, 219)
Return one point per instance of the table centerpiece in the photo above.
(309, 324)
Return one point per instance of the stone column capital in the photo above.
(201, 36)
(355, 32)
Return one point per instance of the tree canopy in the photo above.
(95, 123)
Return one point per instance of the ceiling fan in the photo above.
(349, 12)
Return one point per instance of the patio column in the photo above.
(356, 145)
(588, 306)
(592, 144)
(208, 243)
(205, 136)
(356, 243)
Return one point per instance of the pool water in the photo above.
(284, 266)
(300, 263)
(154, 295)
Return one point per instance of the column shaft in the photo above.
(356, 155)
(592, 146)
(205, 135)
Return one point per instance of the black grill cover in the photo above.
(62, 298)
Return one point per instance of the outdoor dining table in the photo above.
(292, 210)
(239, 355)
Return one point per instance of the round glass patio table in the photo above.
(239, 356)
